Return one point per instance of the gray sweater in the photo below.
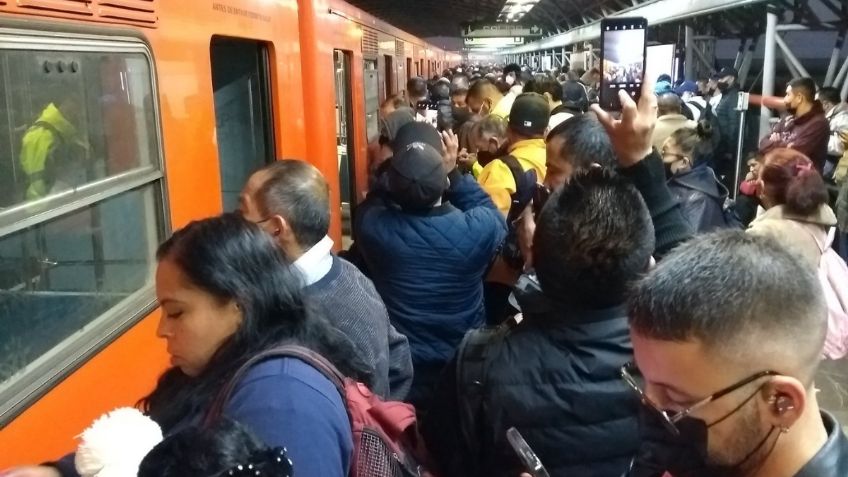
(348, 299)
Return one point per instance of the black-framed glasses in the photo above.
(631, 376)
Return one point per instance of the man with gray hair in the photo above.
(290, 199)
(727, 335)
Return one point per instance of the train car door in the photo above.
(344, 139)
(372, 100)
(409, 68)
(243, 119)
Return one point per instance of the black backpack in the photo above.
(472, 368)
(525, 186)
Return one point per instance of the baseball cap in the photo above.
(530, 114)
(416, 176)
(728, 71)
(686, 87)
(416, 132)
(395, 120)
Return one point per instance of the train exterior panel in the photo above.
(234, 84)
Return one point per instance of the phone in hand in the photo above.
(427, 112)
(623, 53)
(525, 453)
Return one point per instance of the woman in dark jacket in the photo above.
(227, 294)
(694, 184)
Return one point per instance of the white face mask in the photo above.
(510, 80)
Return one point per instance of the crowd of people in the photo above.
(533, 262)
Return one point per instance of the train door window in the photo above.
(243, 119)
(344, 139)
(81, 203)
(390, 75)
(408, 68)
(372, 100)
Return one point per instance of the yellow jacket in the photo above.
(497, 180)
(39, 143)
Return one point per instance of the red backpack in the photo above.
(386, 442)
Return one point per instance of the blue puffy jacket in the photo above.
(429, 267)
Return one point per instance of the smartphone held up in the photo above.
(623, 53)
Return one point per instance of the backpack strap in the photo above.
(472, 365)
(284, 351)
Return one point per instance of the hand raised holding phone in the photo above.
(631, 134)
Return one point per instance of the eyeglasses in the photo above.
(631, 376)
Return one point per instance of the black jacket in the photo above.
(556, 379)
(728, 125)
(701, 198)
(832, 459)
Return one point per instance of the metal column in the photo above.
(689, 61)
(768, 68)
(834, 58)
(790, 57)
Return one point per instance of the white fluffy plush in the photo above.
(116, 443)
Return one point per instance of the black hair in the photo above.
(212, 452)
(512, 68)
(416, 87)
(460, 84)
(440, 91)
(545, 84)
(696, 143)
(593, 238)
(585, 142)
(736, 292)
(669, 103)
(234, 259)
(830, 94)
(296, 191)
(806, 87)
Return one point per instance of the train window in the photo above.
(372, 100)
(81, 203)
(241, 82)
(344, 139)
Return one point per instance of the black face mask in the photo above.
(684, 455)
(723, 87)
(668, 173)
(485, 157)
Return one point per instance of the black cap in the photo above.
(416, 132)
(417, 177)
(728, 71)
(397, 119)
(530, 114)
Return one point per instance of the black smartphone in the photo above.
(525, 453)
(623, 53)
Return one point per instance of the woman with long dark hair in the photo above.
(228, 294)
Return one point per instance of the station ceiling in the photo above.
(429, 18)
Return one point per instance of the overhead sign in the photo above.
(498, 42)
(501, 30)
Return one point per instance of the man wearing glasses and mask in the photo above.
(727, 334)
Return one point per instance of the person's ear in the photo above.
(495, 143)
(785, 399)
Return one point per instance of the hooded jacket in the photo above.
(496, 177)
(701, 197)
(45, 143)
(798, 234)
(808, 134)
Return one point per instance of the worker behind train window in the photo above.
(290, 201)
(228, 294)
